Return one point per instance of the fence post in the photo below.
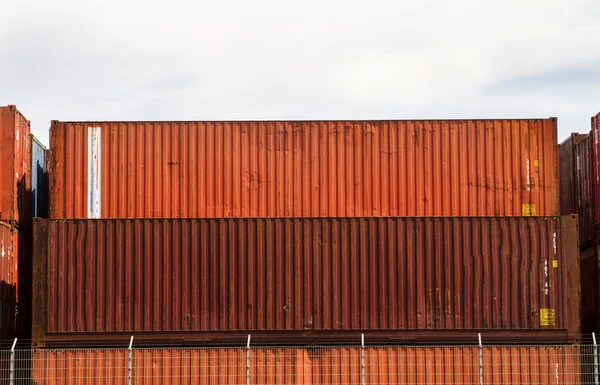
(248, 361)
(12, 362)
(130, 362)
(362, 359)
(480, 360)
(595, 359)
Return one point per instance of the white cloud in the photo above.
(76, 60)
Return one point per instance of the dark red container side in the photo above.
(173, 279)
(584, 179)
(566, 164)
(596, 165)
(590, 290)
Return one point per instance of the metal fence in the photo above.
(269, 365)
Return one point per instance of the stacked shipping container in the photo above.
(311, 170)
(22, 196)
(567, 181)
(303, 232)
(14, 206)
(579, 186)
(193, 279)
(303, 169)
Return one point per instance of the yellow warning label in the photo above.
(555, 263)
(528, 210)
(536, 163)
(547, 317)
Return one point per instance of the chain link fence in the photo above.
(271, 365)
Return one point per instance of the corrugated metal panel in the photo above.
(590, 289)
(303, 169)
(39, 179)
(584, 179)
(15, 160)
(567, 170)
(596, 165)
(321, 365)
(9, 252)
(189, 275)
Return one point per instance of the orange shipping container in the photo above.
(167, 280)
(303, 169)
(15, 159)
(544, 365)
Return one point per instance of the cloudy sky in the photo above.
(178, 60)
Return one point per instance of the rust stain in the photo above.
(307, 169)
(180, 275)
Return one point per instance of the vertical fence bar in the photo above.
(480, 360)
(362, 359)
(596, 380)
(12, 362)
(248, 361)
(130, 362)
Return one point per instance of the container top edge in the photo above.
(56, 122)
(541, 217)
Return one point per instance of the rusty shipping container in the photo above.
(590, 288)
(303, 169)
(567, 167)
(15, 160)
(596, 166)
(10, 245)
(584, 179)
(174, 279)
(550, 365)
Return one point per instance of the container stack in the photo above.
(579, 191)
(304, 232)
(19, 150)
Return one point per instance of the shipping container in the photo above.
(174, 279)
(590, 289)
(39, 179)
(10, 244)
(584, 179)
(596, 165)
(567, 167)
(549, 365)
(15, 160)
(303, 169)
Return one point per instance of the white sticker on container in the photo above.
(94, 172)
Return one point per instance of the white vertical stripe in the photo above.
(94, 172)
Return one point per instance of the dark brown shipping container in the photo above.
(596, 165)
(180, 278)
(590, 288)
(15, 158)
(584, 179)
(402, 365)
(567, 162)
(303, 169)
